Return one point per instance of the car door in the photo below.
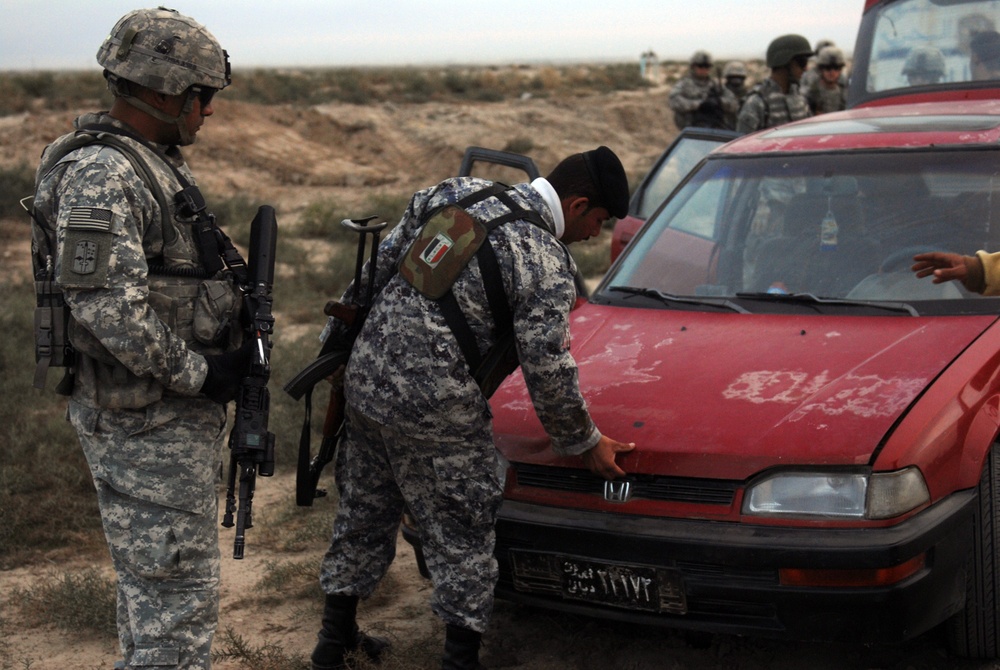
(670, 169)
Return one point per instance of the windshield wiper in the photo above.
(667, 298)
(810, 299)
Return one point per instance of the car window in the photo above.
(669, 173)
(842, 226)
(928, 43)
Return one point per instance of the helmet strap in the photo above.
(122, 90)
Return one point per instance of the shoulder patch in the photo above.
(90, 218)
(445, 245)
(86, 248)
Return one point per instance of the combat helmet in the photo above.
(822, 44)
(164, 51)
(830, 56)
(925, 62)
(782, 50)
(702, 58)
(734, 68)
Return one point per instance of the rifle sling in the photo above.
(215, 249)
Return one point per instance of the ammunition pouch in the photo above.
(205, 313)
(52, 344)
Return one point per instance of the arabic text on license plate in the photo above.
(632, 587)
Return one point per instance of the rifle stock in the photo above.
(251, 445)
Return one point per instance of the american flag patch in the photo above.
(90, 218)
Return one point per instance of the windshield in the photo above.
(929, 43)
(838, 226)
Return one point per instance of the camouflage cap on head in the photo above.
(608, 175)
(164, 51)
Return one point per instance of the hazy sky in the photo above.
(61, 34)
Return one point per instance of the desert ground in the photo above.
(290, 156)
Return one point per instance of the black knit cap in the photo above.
(608, 175)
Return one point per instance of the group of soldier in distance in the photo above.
(803, 81)
(164, 324)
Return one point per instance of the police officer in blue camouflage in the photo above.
(418, 428)
(777, 99)
(156, 360)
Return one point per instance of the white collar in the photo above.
(551, 199)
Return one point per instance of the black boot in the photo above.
(461, 649)
(340, 635)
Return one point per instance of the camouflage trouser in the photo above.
(166, 559)
(453, 491)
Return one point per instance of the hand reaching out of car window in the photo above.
(945, 266)
(600, 459)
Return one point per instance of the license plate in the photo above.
(633, 587)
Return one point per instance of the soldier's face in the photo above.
(584, 224)
(192, 121)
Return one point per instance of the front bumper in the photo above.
(729, 572)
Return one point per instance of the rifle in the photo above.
(251, 445)
(332, 356)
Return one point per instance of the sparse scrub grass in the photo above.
(77, 602)
(46, 493)
(15, 183)
(23, 91)
(229, 645)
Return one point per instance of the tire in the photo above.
(975, 631)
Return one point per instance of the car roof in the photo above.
(890, 126)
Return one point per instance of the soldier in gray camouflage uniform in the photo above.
(777, 99)
(151, 380)
(828, 92)
(418, 428)
(698, 99)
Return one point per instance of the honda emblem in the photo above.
(618, 491)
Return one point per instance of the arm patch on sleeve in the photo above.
(86, 250)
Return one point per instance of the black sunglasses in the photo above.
(205, 94)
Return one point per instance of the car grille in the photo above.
(649, 487)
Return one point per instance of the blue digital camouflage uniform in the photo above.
(152, 442)
(418, 430)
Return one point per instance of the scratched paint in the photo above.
(862, 395)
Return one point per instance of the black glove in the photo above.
(226, 371)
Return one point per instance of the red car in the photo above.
(817, 430)
(816, 427)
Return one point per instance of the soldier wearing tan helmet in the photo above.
(154, 365)
(828, 92)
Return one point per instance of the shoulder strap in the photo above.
(489, 269)
(215, 249)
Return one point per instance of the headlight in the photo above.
(849, 495)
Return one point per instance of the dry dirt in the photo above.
(291, 156)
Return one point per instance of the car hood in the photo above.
(728, 395)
